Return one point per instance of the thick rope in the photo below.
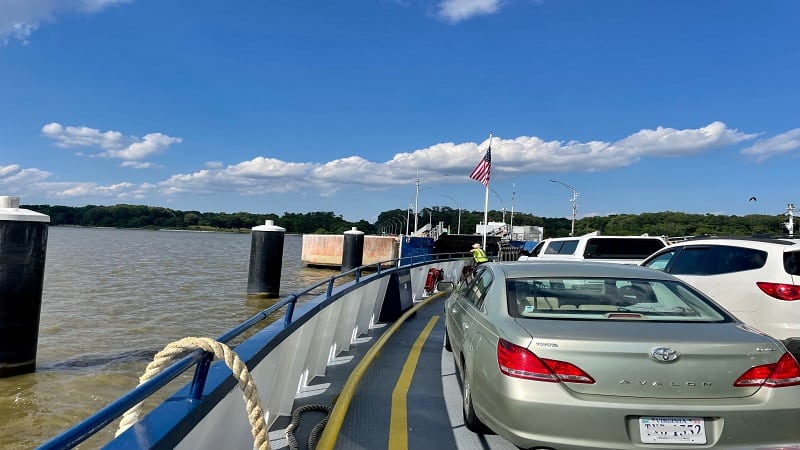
(315, 432)
(255, 412)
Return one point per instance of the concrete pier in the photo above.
(326, 249)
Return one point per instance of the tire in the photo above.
(471, 420)
(447, 345)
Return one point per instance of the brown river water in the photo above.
(111, 300)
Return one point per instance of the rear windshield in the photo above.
(791, 262)
(609, 298)
(619, 248)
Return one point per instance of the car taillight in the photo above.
(519, 362)
(786, 372)
(780, 291)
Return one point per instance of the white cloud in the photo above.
(139, 165)
(151, 144)
(115, 144)
(13, 177)
(672, 142)
(67, 137)
(776, 145)
(20, 18)
(448, 162)
(459, 10)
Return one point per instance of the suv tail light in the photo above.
(780, 291)
(519, 362)
(786, 372)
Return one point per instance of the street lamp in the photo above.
(575, 195)
(502, 203)
(416, 201)
(400, 230)
(459, 212)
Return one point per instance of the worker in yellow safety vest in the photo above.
(478, 254)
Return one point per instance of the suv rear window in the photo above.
(702, 260)
(616, 248)
(791, 262)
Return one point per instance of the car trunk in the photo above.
(710, 357)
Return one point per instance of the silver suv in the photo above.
(758, 280)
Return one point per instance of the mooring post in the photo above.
(266, 260)
(353, 249)
(23, 244)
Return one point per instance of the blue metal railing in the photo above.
(202, 359)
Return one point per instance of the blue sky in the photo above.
(293, 106)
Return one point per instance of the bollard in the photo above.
(353, 249)
(23, 244)
(266, 259)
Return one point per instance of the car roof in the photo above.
(551, 268)
(749, 242)
(604, 236)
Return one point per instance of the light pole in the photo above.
(575, 195)
(459, 212)
(416, 201)
(408, 216)
(502, 203)
(400, 217)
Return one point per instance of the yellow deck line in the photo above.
(398, 428)
(336, 418)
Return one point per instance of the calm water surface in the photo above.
(112, 299)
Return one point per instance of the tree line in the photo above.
(396, 221)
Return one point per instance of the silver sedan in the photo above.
(577, 355)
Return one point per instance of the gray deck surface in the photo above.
(433, 402)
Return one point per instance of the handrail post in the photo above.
(200, 376)
(287, 320)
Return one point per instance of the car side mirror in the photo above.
(445, 286)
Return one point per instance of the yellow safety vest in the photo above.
(479, 255)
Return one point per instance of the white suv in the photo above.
(758, 280)
(598, 248)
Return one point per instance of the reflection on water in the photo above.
(111, 300)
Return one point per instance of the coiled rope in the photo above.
(315, 432)
(255, 413)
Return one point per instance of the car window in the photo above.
(475, 292)
(609, 299)
(536, 250)
(715, 260)
(622, 248)
(791, 262)
(661, 261)
(562, 247)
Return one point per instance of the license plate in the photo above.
(672, 430)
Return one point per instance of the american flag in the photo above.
(481, 171)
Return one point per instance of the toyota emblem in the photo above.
(664, 354)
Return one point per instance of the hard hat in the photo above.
(476, 245)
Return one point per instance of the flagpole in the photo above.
(486, 204)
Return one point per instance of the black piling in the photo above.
(266, 260)
(23, 244)
(353, 249)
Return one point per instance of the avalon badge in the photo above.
(664, 354)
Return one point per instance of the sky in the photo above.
(364, 106)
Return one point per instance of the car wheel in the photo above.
(447, 345)
(470, 419)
